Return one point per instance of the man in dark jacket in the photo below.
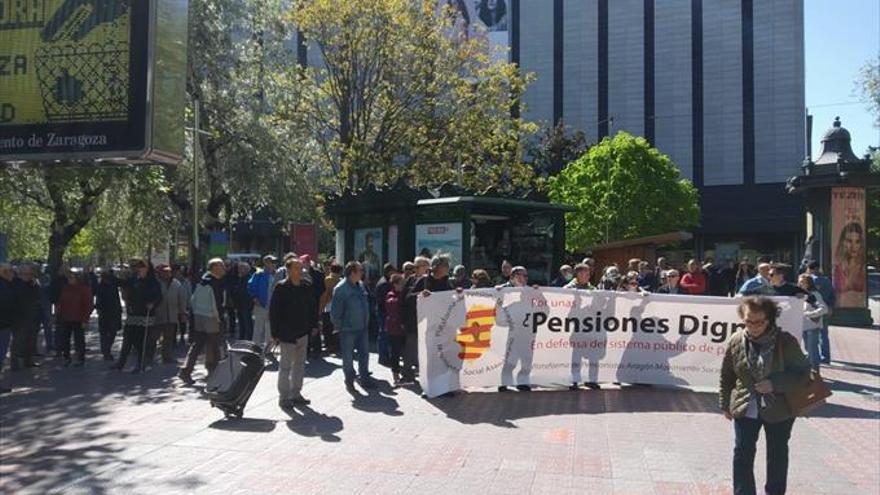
(8, 311)
(109, 308)
(436, 281)
(24, 339)
(142, 295)
(293, 316)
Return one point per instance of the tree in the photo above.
(400, 92)
(869, 85)
(623, 189)
(558, 147)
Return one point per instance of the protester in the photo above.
(631, 284)
(47, 322)
(759, 284)
(141, 294)
(169, 312)
(260, 288)
(181, 273)
(243, 302)
(728, 274)
(823, 285)
(780, 286)
(671, 286)
(480, 279)
(393, 311)
(647, 281)
(761, 363)
(314, 276)
(519, 277)
(408, 269)
(633, 265)
(744, 273)
(293, 317)
(349, 311)
(26, 326)
(610, 279)
(694, 281)
(109, 308)
(207, 303)
(716, 283)
(581, 278)
(328, 333)
(504, 277)
(564, 277)
(410, 319)
(74, 307)
(659, 269)
(382, 288)
(8, 313)
(813, 314)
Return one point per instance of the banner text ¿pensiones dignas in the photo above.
(718, 331)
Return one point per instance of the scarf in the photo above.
(759, 359)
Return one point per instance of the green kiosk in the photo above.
(478, 230)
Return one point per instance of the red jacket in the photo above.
(75, 303)
(694, 283)
(394, 314)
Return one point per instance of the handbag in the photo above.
(804, 397)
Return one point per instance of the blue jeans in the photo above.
(811, 342)
(777, 435)
(5, 336)
(348, 342)
(825, 343)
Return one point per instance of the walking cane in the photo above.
(142, 364)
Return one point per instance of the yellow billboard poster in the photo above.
(65, 61)
(75, 77)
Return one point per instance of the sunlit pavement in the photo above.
(92, 430)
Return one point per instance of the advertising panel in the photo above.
(368, 250)
(848, 246)
(84, 79)
(439, 238)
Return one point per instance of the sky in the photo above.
(840, 37)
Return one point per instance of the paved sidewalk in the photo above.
(96, 431)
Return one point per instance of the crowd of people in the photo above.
(335, 307)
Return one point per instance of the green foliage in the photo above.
(402, 93)
(868, 84)
(623, 189)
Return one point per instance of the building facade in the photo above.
(718, 85)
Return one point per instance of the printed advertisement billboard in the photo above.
(848, 246)
(368, 250)
(439, 238)
(92, 79)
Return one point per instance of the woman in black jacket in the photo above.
(109, 308)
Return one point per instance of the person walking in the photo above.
(141, 294)
(27, 324)
(761, 363)
(169, 313)
(813, 315)
(109, 308)
(260, 288)
(350, 313)
(394, 324)
(293, 317)
(823, 285)
(75, 307)
(208, 304)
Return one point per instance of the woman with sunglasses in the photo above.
(761, 363)
(671, 286)
(631, 284)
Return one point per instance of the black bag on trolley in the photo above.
(235, 378)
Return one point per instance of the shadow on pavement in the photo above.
(318, 367)
(831, 410)
(307, 422)
(871, 369)
(501, 409)
(253, 425)
(55, 429)
(377, 399)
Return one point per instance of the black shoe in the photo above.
(574, 386)
(592, 385)
(524, 388)
(185, 377)
(367, 383)
(285, 405)
(349, 384)
(32, 364)
(503, 388)
(300, 401)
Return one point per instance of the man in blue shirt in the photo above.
(759, 284)
(350, 314)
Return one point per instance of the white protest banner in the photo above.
(556, 337)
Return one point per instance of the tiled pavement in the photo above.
(96, 431)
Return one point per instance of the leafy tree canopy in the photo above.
(623, 189)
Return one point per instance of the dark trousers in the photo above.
(168, 333)
(75, 329)
(397, 344)
(132, 338)
(24, 343)
(108, 327)
(245, 323)
(331, 340)
(777, 435)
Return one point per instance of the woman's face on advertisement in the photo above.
(852, 244)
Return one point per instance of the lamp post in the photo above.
(197, 131)
(836, 186)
